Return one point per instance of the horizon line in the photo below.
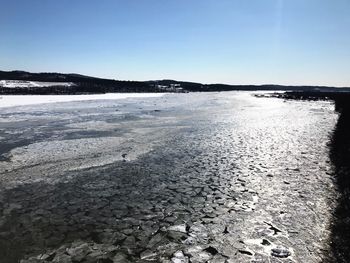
(189, 81)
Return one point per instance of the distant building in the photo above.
(170, 88)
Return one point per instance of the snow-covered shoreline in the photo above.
(21, 100)
(32, 84)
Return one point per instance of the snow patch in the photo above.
(73, 154)
(32, 84)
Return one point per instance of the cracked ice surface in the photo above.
(199, 177)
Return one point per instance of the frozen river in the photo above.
(198, 177)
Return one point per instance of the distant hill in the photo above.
(82, 84)
(22, 82)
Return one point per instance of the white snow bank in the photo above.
(32, 84)
(21, 100)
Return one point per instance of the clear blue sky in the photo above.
(210, 41)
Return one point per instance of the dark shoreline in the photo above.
(340, 158)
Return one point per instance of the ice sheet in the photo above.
(20, 100)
